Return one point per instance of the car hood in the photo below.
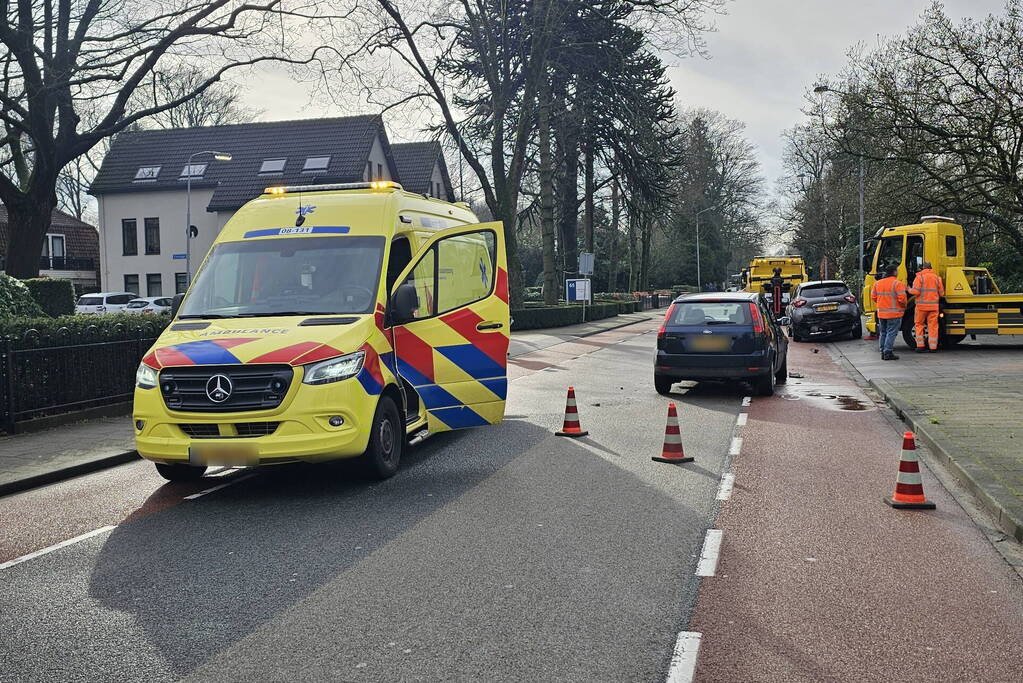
(292, 340)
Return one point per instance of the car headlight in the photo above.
(145, 377)
(335, 369)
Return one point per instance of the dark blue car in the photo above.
(721, 336)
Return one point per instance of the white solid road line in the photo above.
(746, 400)
(741, 420)
(683, 659)
(736, 446)
(709, 556)
(217, 488)
(58, 546)
(725, 488)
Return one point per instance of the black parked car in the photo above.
(824, 308)
(721, 336)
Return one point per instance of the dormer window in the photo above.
(271, 166)
(313, 164)
(193, 171)
(147, 173)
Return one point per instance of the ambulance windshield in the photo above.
(287, 276)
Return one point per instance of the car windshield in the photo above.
(287, 276)
(710, 313)
(815, 291)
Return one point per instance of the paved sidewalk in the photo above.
(964, 403)
(36, 458)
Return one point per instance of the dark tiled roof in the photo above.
(415, 161)
(347, 141)
(81, 239)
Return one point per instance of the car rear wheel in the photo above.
(178, 472)
(782, 375)
(764, 385)
(386, 441)
(857, 331)
(663, 384)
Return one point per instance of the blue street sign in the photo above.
(179, 257)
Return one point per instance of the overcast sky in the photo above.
(761, 59)
(765, 54)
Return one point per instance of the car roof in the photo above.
(107, 294)
(718, 296)
(834, 283)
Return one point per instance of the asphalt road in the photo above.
(501, 553)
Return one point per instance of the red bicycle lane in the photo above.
(818, 579)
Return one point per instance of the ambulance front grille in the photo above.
(251, 387)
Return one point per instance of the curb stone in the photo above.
(971, 477)
(63, 473)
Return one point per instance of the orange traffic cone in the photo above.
(672, 451)
(909, 488)
(571, 426)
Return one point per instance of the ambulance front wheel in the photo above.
(386, 441)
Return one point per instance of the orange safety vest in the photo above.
(928, 289)
(890, 295)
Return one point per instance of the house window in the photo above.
(53, 252)
(129, 237)
(380, 171)
(146, 173)
(154, 284)
(131, 284)
(180, 283)
(272, 166)
(193, 171)
(152, 228)
(316, 164)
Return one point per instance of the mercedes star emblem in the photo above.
(219, 388)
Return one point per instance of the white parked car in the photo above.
(104, 302)
(150, 304)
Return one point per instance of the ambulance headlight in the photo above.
(145, 377)
(335, 369)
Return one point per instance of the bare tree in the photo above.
(72, 74)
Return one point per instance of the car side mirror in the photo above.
(404, 303)
(784, 320)
(175, 305)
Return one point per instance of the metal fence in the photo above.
(41, 377)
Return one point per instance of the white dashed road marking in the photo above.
(709, 556)
(725, 488)
(217, 488)
(746, 400)
(736, 446)
(683, 659)
(58, 546)
(741, 420)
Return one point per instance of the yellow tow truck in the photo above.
(757, 277)
(972, 304)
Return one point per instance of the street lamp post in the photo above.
(699, 279)
(219, 156)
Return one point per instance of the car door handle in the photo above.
(489, 326)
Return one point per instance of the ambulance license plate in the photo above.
(235, 455)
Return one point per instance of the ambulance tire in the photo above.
(180, 472)
(386, 441)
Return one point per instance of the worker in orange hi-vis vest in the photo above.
(928, 290)
(889, 293)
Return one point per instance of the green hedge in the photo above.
(598, 310)
(55, 297)
(15, 299)
(80, 329)
(538, 317)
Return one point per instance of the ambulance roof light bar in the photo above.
(373, 185)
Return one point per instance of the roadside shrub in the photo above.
(599, 311)
(16, 299)
(55, 297)
(538, 317)
(80, 329)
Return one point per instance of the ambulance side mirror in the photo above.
(404, 303)
(175, 305)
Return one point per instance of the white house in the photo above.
(141, 186)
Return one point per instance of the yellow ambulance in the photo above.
(329, 321)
